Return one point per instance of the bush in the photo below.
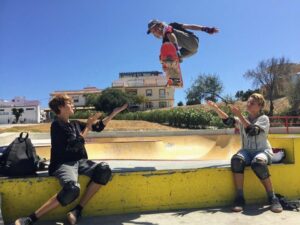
(180, 117)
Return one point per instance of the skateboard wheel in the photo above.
(170, 82)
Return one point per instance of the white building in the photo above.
(78, 96)
(149, 84)
(31, 110)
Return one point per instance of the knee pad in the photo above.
(237, 164)
(260, 168)
(102, 174)
(68, 194)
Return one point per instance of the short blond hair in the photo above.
(259, 99)
(59, 101)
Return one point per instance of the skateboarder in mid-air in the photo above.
(185, 41)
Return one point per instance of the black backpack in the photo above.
(19, 158)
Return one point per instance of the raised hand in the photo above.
(236, 111)
(120, 109)
(210, 30)
(92, 119)
(212, 104)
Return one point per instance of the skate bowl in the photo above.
(177, 148)
(157, 172)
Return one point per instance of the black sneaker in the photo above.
(23, 221)
(238, 204)
(74, 216)
(275, 205)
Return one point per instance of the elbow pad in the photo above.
(252, 130)
(230, 121)
(99, 126)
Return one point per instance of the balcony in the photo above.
(140, 83)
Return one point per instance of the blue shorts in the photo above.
(250, 155)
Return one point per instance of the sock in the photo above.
(240, 193)
(33, 217)
(270, 194)
(78, 208)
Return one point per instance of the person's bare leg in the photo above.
(51, 204)
(267, 184)
(88, 194)
(273, 200)
(238, 181)
(239, 185)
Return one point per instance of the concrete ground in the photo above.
(253, 215)
(18, 124)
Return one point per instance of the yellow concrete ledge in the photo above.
(156, 190)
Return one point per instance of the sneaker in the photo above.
(23, 221)
(275, 205)
(238, 204)
(73, 216)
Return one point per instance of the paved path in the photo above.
(253, 215)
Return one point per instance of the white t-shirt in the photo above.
(256, 142)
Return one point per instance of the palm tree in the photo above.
(17, 113)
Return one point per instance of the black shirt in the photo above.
(67, 144)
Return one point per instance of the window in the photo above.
(162, 93)
(148, 92)
(28, 109)
(149, 105)
(131, 91)
(75, 99)
(162, 104)
(133, 108)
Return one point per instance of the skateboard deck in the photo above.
(170, 63)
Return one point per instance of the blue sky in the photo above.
(48, 45)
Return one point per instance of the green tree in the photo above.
(137, 99)
(294, 97)
(17, 113)
(180, 103)
(206, 86)
(270, 75)
(229, 99)
(245, 95)
(91, 99)
(239, 94)
(109, 99)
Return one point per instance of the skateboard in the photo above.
(170, 64)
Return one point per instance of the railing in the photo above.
(140, 83)
(285, 121)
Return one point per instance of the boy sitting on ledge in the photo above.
(256, 150)
(69, 159)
